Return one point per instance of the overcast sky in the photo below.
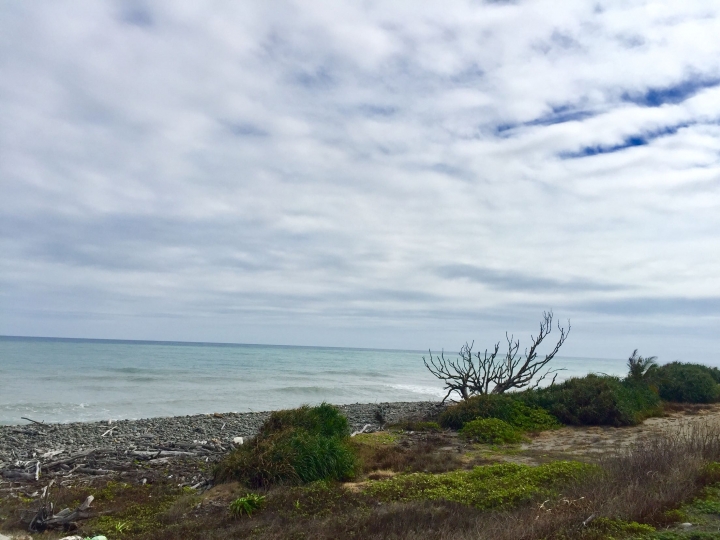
(369, 174)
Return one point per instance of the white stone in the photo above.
(686, 525)
(238, 440)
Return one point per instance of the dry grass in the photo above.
(422, 453)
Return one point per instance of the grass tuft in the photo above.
(293, 447)
(246, 505)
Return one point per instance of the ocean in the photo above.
(70, 380)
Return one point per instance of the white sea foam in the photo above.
(433, 391)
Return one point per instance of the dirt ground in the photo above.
(589, 442)
(586, 443)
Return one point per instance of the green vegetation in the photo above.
(504, 407)
(596, 400)
(144, 508)
(639, 367)
(246, 505)
(490, 486)
(609, 529)
(491, 431)
(294, 446)
(686, 383)
(379, 438)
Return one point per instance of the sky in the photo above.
(365, 174)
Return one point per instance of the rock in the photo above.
(685, 525)
(238, 440)
(72, 538)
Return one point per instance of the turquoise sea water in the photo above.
(67, 380)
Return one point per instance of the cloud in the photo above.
(337, 173)
(516, 281)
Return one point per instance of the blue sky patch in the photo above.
(676, 93)
(641, 139)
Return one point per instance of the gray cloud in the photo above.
(365, 175)
(511, 280)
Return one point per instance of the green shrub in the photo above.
(502, 406)
(614, 528)
(324, 420)
(491, 431)
(489, 486)
(297, 446)
(246, 505)
(596, 400)
(686, 383)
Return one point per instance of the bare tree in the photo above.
(485, 373)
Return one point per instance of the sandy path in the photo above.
(592, 441)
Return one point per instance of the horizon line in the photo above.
(232, 344)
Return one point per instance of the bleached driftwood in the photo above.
(46, 519)
(365, 427)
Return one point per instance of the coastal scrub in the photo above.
(293, 447)
(491, 431)
(596, 400)
(506, 407)
(488, 486)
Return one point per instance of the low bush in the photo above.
(488, 486)
(501, 406)
(325, 420)
(686, 383)
(596, 400)
(491, 431)
(246, 505)
(296, 446)
(616, 528)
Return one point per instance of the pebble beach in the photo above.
(32, 451)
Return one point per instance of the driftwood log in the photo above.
(45, 518)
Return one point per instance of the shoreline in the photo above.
(28, 451)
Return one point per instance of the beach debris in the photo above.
(52, 453)
(45, 518)
(76, 537)
(81, 453)
(363, 430)
(19, 475)
(33, 421)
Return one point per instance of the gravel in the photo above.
(206, 436)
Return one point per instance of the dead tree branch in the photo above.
(476, 374)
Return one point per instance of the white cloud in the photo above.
(307, 173)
